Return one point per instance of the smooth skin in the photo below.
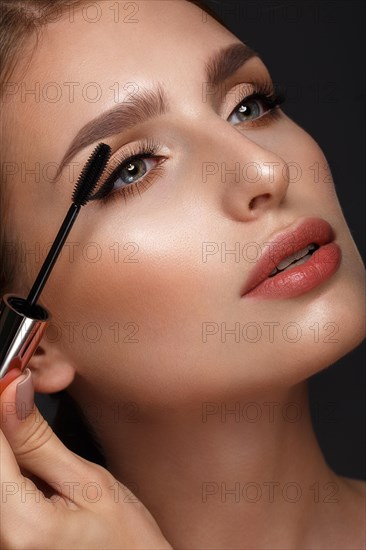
(160, 405)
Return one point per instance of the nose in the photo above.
(251, 177)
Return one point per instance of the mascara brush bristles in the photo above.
(90, 174)
(83, 190)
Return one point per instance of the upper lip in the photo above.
(286, 243)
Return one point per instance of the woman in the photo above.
(191, 373)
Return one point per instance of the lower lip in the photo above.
(292, 282)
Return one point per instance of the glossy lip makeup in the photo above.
(317, 264)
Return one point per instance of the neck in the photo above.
(216, 474)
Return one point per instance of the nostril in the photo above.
(258, 200)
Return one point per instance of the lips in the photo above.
(319, 266)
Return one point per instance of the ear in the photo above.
(51, 371)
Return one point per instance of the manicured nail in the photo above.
(24, 396)
(8, 378)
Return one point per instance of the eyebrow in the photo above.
(148, 104)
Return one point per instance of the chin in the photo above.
(331, 322)
(337, 320)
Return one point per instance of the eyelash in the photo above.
(269, 94)
(145, 149)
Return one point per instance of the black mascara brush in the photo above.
(23, 321)
(83, 190)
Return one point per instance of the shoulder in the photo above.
(353, 505)
(355, 487)
(340, 522)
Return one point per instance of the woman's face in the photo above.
(146, 298)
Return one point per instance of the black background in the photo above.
(315, 49)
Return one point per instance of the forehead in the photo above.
(92, 58)
(110, 44)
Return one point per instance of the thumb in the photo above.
(8, 378)
(17, 398)
(36, 447)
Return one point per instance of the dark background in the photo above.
(315, 49)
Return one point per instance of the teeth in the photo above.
(302, 260)
(301, 253)
(287, 261)
(302, 256)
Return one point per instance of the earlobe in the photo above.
(51, 371)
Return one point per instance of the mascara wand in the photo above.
(84, 187)
(23, 321)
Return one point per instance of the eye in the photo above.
(131, 170)
(249, 109)
(262, 101)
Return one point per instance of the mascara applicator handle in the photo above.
(53, 254)
(23, 321)
(21, 329)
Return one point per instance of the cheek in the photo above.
(136, 300)
(308, 169)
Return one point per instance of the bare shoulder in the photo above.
(359, 485)
(356, 487)
(354, 507)
(340, 521)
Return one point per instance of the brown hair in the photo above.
(20, 22)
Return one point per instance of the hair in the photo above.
(21, 22)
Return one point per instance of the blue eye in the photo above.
(132, 170)
(249, 109)
(258, 104)
(135, 167)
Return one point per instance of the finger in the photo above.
(9, 466)
(8, 378)
(36, 447)
(20, 498)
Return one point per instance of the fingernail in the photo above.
(24, 396)
(8, 379)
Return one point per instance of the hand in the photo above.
(53, 498)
